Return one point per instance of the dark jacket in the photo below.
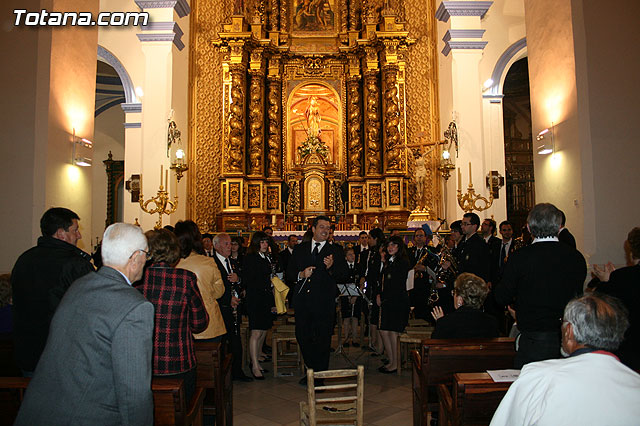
(474, 257)
(39, 279)
(466, 323)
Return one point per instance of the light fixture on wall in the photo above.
(82, 151)
(175, 150)
(545, 141)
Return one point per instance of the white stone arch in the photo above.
(129, 89)
(513, 53)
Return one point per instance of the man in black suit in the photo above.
(564, 236)
(40, 278)
(507, 246)
(228, 302)
(488, 230)
(317, 267)
(362, 248)
(285, 255)
(541, 278)
(419, 295)
(472, 252)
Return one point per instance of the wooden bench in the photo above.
(475, 399)
(11, 395)
(412, 336)
(170, 407)
(214, 375)
(439, 359)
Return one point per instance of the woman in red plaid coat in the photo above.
(179, 310)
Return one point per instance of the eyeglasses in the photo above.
(465, 223)
(146, 254)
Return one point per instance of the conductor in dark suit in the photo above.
(317, 267)
(96, 366)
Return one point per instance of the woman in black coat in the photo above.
(467, 321)
(256, 276)
(393, 300)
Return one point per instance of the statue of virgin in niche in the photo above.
(312, 114)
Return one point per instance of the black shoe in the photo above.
(242, 378)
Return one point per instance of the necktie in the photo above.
(503, 253)
(229, 270)
(315, 252)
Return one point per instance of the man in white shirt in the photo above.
(591, 386)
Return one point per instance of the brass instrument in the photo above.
(446, 276)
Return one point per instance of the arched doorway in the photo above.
(518, 144)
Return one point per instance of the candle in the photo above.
(160, 174)
(140, 184)
(166, 180)
(470, 183)
(459, 180)
(355, 219)
(273, 219)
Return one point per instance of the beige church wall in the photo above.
(180, 106)
(593, 173)
(480, 127)
(108, 136)
(552, 75)
(19, 47)
(607, 63)
(56, 93)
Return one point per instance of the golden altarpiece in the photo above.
(304, 107)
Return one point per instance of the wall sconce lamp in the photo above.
(545, 141)
(82, 151)
(178, 156)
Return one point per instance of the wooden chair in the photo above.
(214, 375)
(285, 351)
(170, 407)
(344, 401)
(441, 358)
(475, 399)
(11, 395)
(412, 336)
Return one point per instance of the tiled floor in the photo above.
(275, 401)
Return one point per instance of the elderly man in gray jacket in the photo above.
(96, 366)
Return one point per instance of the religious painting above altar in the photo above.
(315, 16)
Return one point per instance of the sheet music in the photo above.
(505, 376)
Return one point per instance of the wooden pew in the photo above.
(170, 407)
(439, 359)
(214, 374)
(475, 399)
(11, 395)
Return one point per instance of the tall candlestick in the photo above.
(166, 180)
(140, 183)
(160, 174)
(470, 183)
(459, 180)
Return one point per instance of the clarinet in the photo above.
(235, 293)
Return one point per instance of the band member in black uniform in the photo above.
(370, 269)
(256, 277)
(362, 247)
(350, 303)
(284, 256)
(393, 300)
(421, 257)
(473, 255)
(317, 268)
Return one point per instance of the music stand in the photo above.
(346, 290)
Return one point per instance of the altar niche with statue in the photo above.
(314, 116)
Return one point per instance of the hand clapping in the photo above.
(437, 313)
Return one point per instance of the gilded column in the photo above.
(234, 152)
(393, 146)
(372, 124)
(274, 153)
(284, 17)
(274, 15)
(344, 15)
(256, 124)
(353, 15)
(354, 123)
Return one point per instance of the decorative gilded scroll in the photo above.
(234, 194)
(274, 154)
(394, 193)
(393, 141)
(273, 198)
(375, 195)
(256, 129)
(357, 197)
(373, 124)
(253, 196)
(355, 123)
(235, 149)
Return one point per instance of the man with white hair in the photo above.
(591, 386)
(96, 366)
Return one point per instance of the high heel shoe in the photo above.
(256, 377)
